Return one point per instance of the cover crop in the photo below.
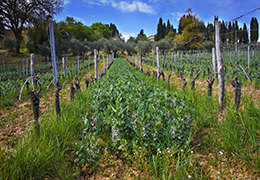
(128, 115)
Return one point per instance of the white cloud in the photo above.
(145, 8)
(127, 35)
(125, 6)
(66, 2)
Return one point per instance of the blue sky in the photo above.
(132, 16)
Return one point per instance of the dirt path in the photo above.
(15, 119)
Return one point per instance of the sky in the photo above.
(132, 16)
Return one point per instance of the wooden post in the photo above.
(140, 59)
(195, 57)
(181, 55)
(56, 89)
(3, 65)
(248, 57)
(27, 70)
(88, 61)
(153, 58)
(104, 64)
(112, 56)
(158, 63)
(95, 63)
(107, 60)
(178, 54)
(238, 55)
(78, 66)
(135, 62)
(221, 74)
(67, 60)
(214, 62)
(32, 70)
(63, 66)
(190, 56)
(23, 67)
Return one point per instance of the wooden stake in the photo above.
(158, 63)
(221, 74)
(95, 63)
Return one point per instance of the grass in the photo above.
(48, 154)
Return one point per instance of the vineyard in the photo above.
(128, 124)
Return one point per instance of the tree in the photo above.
(113, 29)
(130, 47)
(37, 36)
(113, 46)
(191, 28)
(132, 39)
(223, 32)
(2, 29)
(141, 36)
(101, 30)
(209, 32)
(170, 35)
(168, 27)
(98, 45)
(144, 47)
(159, 34)
(164, 44)
(254, 30)
(70, 20)
(230, 34)
(245, 34)
(16, 14)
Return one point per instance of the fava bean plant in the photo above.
(127, 115)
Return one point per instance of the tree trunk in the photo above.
(19, 39)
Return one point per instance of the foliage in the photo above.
(114, 30)
(164, 44)
(114, 45)
(208, 45)
(99, 44)
(141, 36)
(144, 46)
(254, 28)
(130, 47)
(9, 45)
(132, 39)
(18, 13)
(209, 32)
(37, 35)
(101, 30)
(163, 30)
(190, 31)
(131, 115)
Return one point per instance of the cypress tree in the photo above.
(254, 28)
(245, 34)
(230, 36)
(240, 35)
(223, 32)
(159, 30)
(168, 27)
(164, 31)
